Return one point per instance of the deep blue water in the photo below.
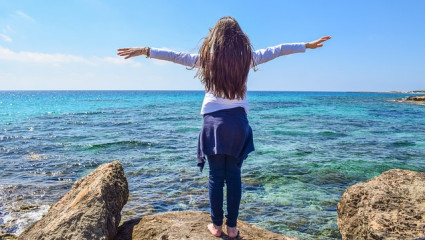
(310, 146)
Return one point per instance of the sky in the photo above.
(376, 45)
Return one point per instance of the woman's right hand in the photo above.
(132, 52)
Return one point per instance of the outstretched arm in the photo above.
(264, 55)
(186, 59)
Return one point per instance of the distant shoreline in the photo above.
(182, 90)
(408, 92)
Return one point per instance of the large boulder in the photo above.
(90, 210)
(185, 225)
(389, 206)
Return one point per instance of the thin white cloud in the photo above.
(118, 61)
(5, 38)
(25, 16)
(7, 30)
(58, 58)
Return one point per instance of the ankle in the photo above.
(214, 229)
(232, 232)
(218, 227)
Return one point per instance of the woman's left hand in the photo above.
(317, 43)
(132, 52)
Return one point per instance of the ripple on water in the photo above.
(119, 144)
(402, 144)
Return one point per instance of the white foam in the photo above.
(21, 220)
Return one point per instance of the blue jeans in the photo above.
(224, 168)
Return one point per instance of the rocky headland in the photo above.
(389, 206)
(420, 100)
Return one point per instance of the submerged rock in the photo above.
(389, 206)
(185, 225)
(90, 210)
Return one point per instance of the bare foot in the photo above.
(215, 230)
(232, 232)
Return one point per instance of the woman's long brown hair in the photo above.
(225, 60)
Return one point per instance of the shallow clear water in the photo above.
(310, 146)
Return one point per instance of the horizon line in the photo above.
(182, 90)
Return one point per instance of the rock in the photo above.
(416, 98)
(185, 225)
(413, 99)
(7, 236)
(90, 210)
(389, 206)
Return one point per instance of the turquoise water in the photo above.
(310, 146)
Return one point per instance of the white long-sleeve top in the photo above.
(213, 103)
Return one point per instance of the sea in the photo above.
(310, 147)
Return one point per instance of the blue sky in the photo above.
(70, 45)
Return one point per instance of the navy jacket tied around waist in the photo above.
(225, 132)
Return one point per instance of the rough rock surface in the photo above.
(389, 206)
(413, 99)
(90, 210)
(186, 225)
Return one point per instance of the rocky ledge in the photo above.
(413, 99)
(185, 225)
(389, 206)
(92, 210)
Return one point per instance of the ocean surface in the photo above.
(310, 146)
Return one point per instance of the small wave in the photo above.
(332, 134)
(5, 138)
(188, 129)
(403, 144)
(305, 152)
(15, 222)
(35, 156)
(130, 143)
(117, 124)
(291, 133)
(86, 113)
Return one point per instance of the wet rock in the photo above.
(389, 206)
(7, 236)
(416, 98)
(185, 225)
(90, 210)
(413, 99)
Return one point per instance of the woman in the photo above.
(223, 63)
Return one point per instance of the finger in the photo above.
(126, 52)
(123, 49)
(319, 45)
(323, 39)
